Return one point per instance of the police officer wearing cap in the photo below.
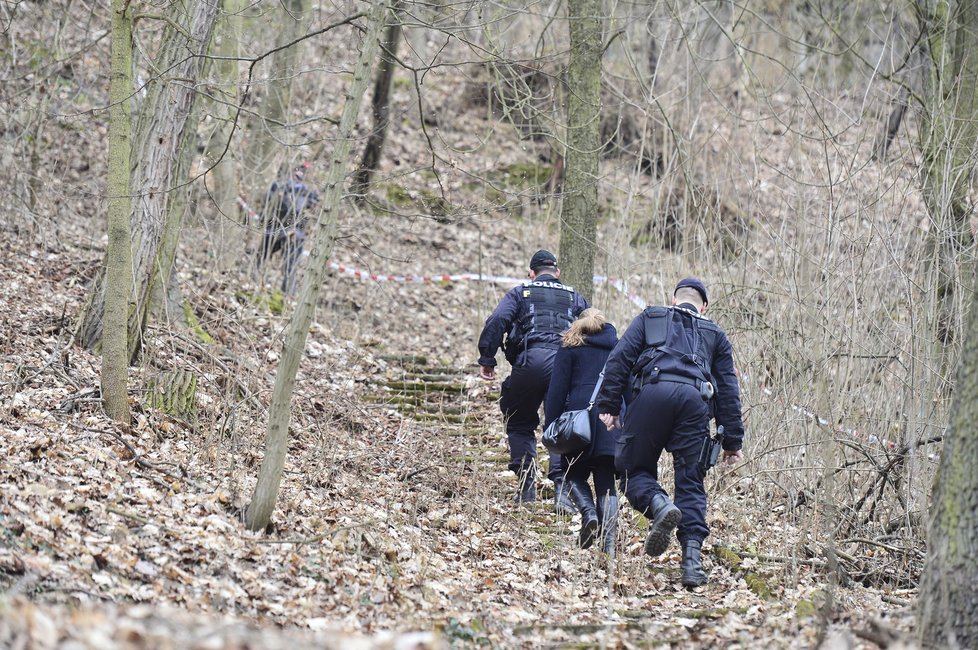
(675, 369)
(527, 325)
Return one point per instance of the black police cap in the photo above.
(542, 258)
(693, 283)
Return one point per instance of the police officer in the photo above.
(675, 369)
(285, 208)
(527, 324)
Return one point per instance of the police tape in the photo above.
(821, 422)
(361, 274)
(468, 277)
(811, 416)
(248, 209)
(621, 287)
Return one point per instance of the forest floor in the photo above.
(395, 525)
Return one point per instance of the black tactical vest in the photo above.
(665, 333)
(547, 310)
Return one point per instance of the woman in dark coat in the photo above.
(585, 346)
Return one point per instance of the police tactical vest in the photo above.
(548, 310)
(666, 334)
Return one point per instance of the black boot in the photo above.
(608, 511)
(562, 501)
(580, 493)
(526, 491)
(665, 517)
(693, 574)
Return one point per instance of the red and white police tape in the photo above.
(467, 277)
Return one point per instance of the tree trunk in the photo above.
(160, 133)
(893, 123)
(223, 179)
(949, 145)
(162, 282)
(262, 504)
(118, 256)
(380, 110)
(948, 606)
(269, 130)
(579, 211)
(174, 393)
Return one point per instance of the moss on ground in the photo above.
(274, 302)
(194, 324)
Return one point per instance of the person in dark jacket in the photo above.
(285, 214)
(577, 367)
(675, 369)
(527, 324)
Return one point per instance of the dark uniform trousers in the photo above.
(520, 398)
(672, 417)
(291, 245)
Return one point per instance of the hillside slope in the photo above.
(395, 526)
(395, 512)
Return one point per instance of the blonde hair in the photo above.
(590, 321)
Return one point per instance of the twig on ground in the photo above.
(410, 475)
(128, 515)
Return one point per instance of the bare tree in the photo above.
(579, 213)
(118, 257)
(262, 504)
(291, 21)
(380, 109)
(949, 144)
(222, 181)
(949, 584)
(160, 132)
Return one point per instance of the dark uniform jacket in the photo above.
(508, 320)
(286, 203)
(575, 373)
(717, 363)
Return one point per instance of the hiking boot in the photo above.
(693, 574)
(665, 517)
(562, 501)
(526, 492)
(580, 492)
(608, 513)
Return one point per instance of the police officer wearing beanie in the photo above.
(527, 325)
(675, 369)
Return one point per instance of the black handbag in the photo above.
(570, 433)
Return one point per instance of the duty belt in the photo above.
(676, 379)
(705, 388)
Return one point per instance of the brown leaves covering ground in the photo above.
(394, 526)
(390, 521)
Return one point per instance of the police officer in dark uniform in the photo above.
(285, 209)
(675, 369)
(527, 324)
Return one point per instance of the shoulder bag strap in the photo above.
(597, 388)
